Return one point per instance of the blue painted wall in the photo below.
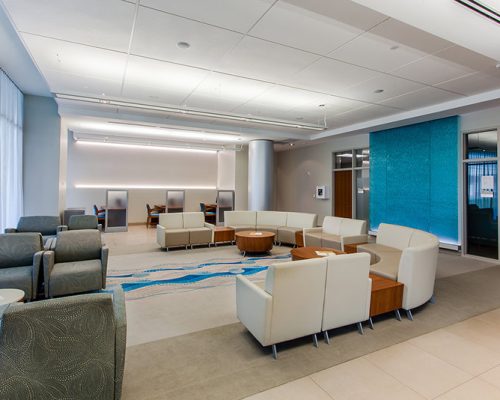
(414, 177)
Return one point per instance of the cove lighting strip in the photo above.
(127, 186)
(144, 146)
(174, 110)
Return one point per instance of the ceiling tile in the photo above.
(330, 76)
(360, 115)
(159, 81)
(294, 26)
(391, 86)
(258, 59)
(420, 98)
(157, 34)
(432, 70)
(238, 15)
(106, 24)
(68, 83)
(472, 84)
(471, 59)
(225, 92)
(374, 52)
(410, 36)
(63, 57)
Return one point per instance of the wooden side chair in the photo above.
(153, 216)
(101, 215)
(210, 213)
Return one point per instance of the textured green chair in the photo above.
(79, 222)
(20, 261)
(77, 263)
(67, 348)
(48, 226)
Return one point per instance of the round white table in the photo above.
(8, 296)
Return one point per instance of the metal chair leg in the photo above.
(370, 321)
(409, 315)
(327, 338)
(360, 328)
(275, 352)
(398, 315)
(315, 340)
(433, 300)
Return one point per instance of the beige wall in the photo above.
(300, 170)
(241, 180)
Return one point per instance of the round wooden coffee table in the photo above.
(254, 242)
(8, 296)
(304, 253)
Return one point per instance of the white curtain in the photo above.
(11, 153)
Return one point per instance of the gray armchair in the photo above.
(67, 348)
(77, 264)
(78, 222)
(20, 261)
(48, 226)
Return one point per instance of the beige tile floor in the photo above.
(459, 362)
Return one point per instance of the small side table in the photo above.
(352, 248)
(9, 296)
(223, 234)
(299, 238)
(387, 296)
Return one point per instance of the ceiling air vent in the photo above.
(481, 8)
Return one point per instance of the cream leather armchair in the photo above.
(290, 306)
(336, 232)
(347, 292)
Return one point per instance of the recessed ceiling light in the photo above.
(321, 105)
(378, 91)
(292, 144)
(394, 47)
(183, 45)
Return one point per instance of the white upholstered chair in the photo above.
(290, 306)
(347, 292)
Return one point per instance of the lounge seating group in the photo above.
(408, 256)
(283, 224)
(335, 232)
(65, 348)
(183, 229)
(305, 297)
(47, 226)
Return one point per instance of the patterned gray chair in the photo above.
(77, 264)
(48, 226)
(67, 348)
(20, 261)
(78, 222)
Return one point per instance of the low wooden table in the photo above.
(352, 248)
(223, 234)
(304, 253)
(254, 242)
(387, 295)
(9, 296)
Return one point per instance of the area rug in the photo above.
(172, 277)
(228, 363)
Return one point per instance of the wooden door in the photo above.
(343, 194)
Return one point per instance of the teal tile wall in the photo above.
(414, 177)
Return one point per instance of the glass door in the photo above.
(481, 194)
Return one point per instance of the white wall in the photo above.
(226, 164)
(300, 170)
(41, 152)
(118, 166)
(483, 119)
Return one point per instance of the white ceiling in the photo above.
(269, 59)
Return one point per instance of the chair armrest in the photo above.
(37, 263)
(104, 262)
(48, 264)
(10, 230)
(254, 309)
(363, 238)
(312, 230)
(160, 235)
(61, 228)
(212, 228)
(120, 315)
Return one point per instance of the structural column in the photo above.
(260, 174)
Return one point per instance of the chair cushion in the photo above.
(329, 240)
(176, 237)
(301, 220)
(46, 225)
(313, 239)
(171, 220)
(387, 266)
(82, 222)
(394, 236)
(78, 245)
(18, 278)
(352, 227)
(75, 277)
(193, 220)
(200, 235)
(240, 218)
(239, 228)
(286, 234)
(271, 218)
(267, 228)
(17, 249)
(332, 225)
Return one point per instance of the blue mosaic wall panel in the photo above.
(414, 177)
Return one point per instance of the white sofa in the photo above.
(348, 292)
(290, 306)
(283, 224)
(183, 229)
(408, 256)
(305, 297)
(336, 232)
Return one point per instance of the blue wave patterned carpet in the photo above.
(180, 277)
